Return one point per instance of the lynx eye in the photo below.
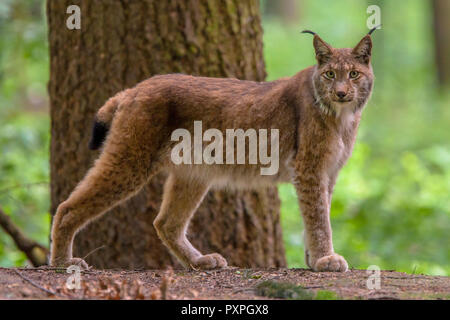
(329, 74)
(354, 74)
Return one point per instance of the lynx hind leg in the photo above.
(105, 185)
(181, 198)
(119, 173)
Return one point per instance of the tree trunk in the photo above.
(441, 12)
(121, 43)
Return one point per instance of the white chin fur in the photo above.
(343, 108)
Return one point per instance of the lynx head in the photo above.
(343, 78)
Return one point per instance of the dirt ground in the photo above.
(230, 283)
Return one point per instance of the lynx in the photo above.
(317, 112)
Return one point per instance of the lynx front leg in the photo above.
(314, 198)
(181, 198)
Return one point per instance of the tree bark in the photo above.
(441, 12)
(121, 43)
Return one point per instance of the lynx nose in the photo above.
(341, 94)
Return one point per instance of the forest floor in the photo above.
(229, 283)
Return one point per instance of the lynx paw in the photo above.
(333, 263)
(210, 261)
(73, 261)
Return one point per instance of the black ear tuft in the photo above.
(99, 132)
(373, 29)
(309, 31)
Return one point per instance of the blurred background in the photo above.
(391, 205)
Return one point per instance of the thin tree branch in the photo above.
(35, 284)
(35, 252)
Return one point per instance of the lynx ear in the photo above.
(363, 50)
(323, 50)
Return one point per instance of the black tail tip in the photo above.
(99, 132)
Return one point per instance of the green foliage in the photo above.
(290, 291)
(283, 290)
(24, 127)
(326, 295)
(391, 203)
(24, 177)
